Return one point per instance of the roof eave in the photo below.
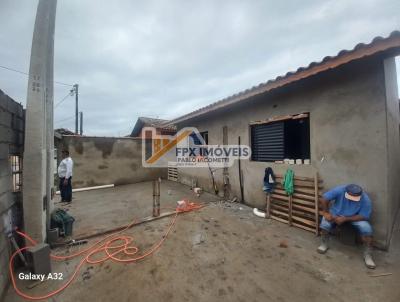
(378, 45)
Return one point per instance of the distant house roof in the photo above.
(150, 122)
(62, 131)
(379, 45)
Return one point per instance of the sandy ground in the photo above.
(219, 253)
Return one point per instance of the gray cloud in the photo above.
(166, 58)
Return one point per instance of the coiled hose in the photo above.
(119, 248)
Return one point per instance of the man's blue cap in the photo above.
(354, 190)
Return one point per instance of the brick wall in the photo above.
(11, 143)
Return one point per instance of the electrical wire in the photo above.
(66, 119)
(25, 73)
(117, 248)
(64, 98)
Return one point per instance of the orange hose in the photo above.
(118, 248)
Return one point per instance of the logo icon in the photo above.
(187, 148)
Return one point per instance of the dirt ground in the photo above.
(219, 253)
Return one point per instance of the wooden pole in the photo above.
(156, 198)
(316, 203)
(240, 177)
(268, 207)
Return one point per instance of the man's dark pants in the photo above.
(65, 190)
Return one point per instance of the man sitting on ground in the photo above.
(347, 204)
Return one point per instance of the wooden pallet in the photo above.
(300, 209)
(172, 173)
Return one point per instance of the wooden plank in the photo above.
(297, 193)
(304, 197)
(301, 184)
(305, 221)
(304, 202)
(305, 209)
(306, 191)
(306, 184)
(278, 219)
(279, 197)
(297, 200)
(120, 228)
(303, 227)
(280, 208)
(268, 207)
(316, 204)
(290, 209)
(278, 191)
(302, 214)
(283, 203)
(310, 179)
(274, 211)
(271, 120)
(305, 216)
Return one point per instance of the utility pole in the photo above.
(81, 122)
(76, 108)
(38, 175)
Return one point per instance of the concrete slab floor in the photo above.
(99, 210)
(222, 253)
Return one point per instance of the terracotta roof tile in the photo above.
(361, 50)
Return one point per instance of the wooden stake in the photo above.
(268, 207)
(290, 210)
(316, 203)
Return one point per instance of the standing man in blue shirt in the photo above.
(347, 204)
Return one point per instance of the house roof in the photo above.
(150, 122)
(378, 45)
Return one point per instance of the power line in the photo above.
(22, 72)
(64, 98)
(66, 119)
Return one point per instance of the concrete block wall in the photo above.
(107, 160)
(11, 142)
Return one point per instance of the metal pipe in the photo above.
(240, 176)
(89, 188)
(76, 108)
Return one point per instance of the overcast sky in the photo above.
(166, 58)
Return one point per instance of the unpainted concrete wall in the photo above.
(393, 141)
(11, 142)
(349, 136)
(107, 160)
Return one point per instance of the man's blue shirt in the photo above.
(341, 206)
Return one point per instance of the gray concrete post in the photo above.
(37, 178)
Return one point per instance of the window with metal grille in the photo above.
(204, 135)
(196, 137)
(16, 172)
(284, 139)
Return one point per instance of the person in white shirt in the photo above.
(65, 176)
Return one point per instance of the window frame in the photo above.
(279, 119)
(16, 167)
